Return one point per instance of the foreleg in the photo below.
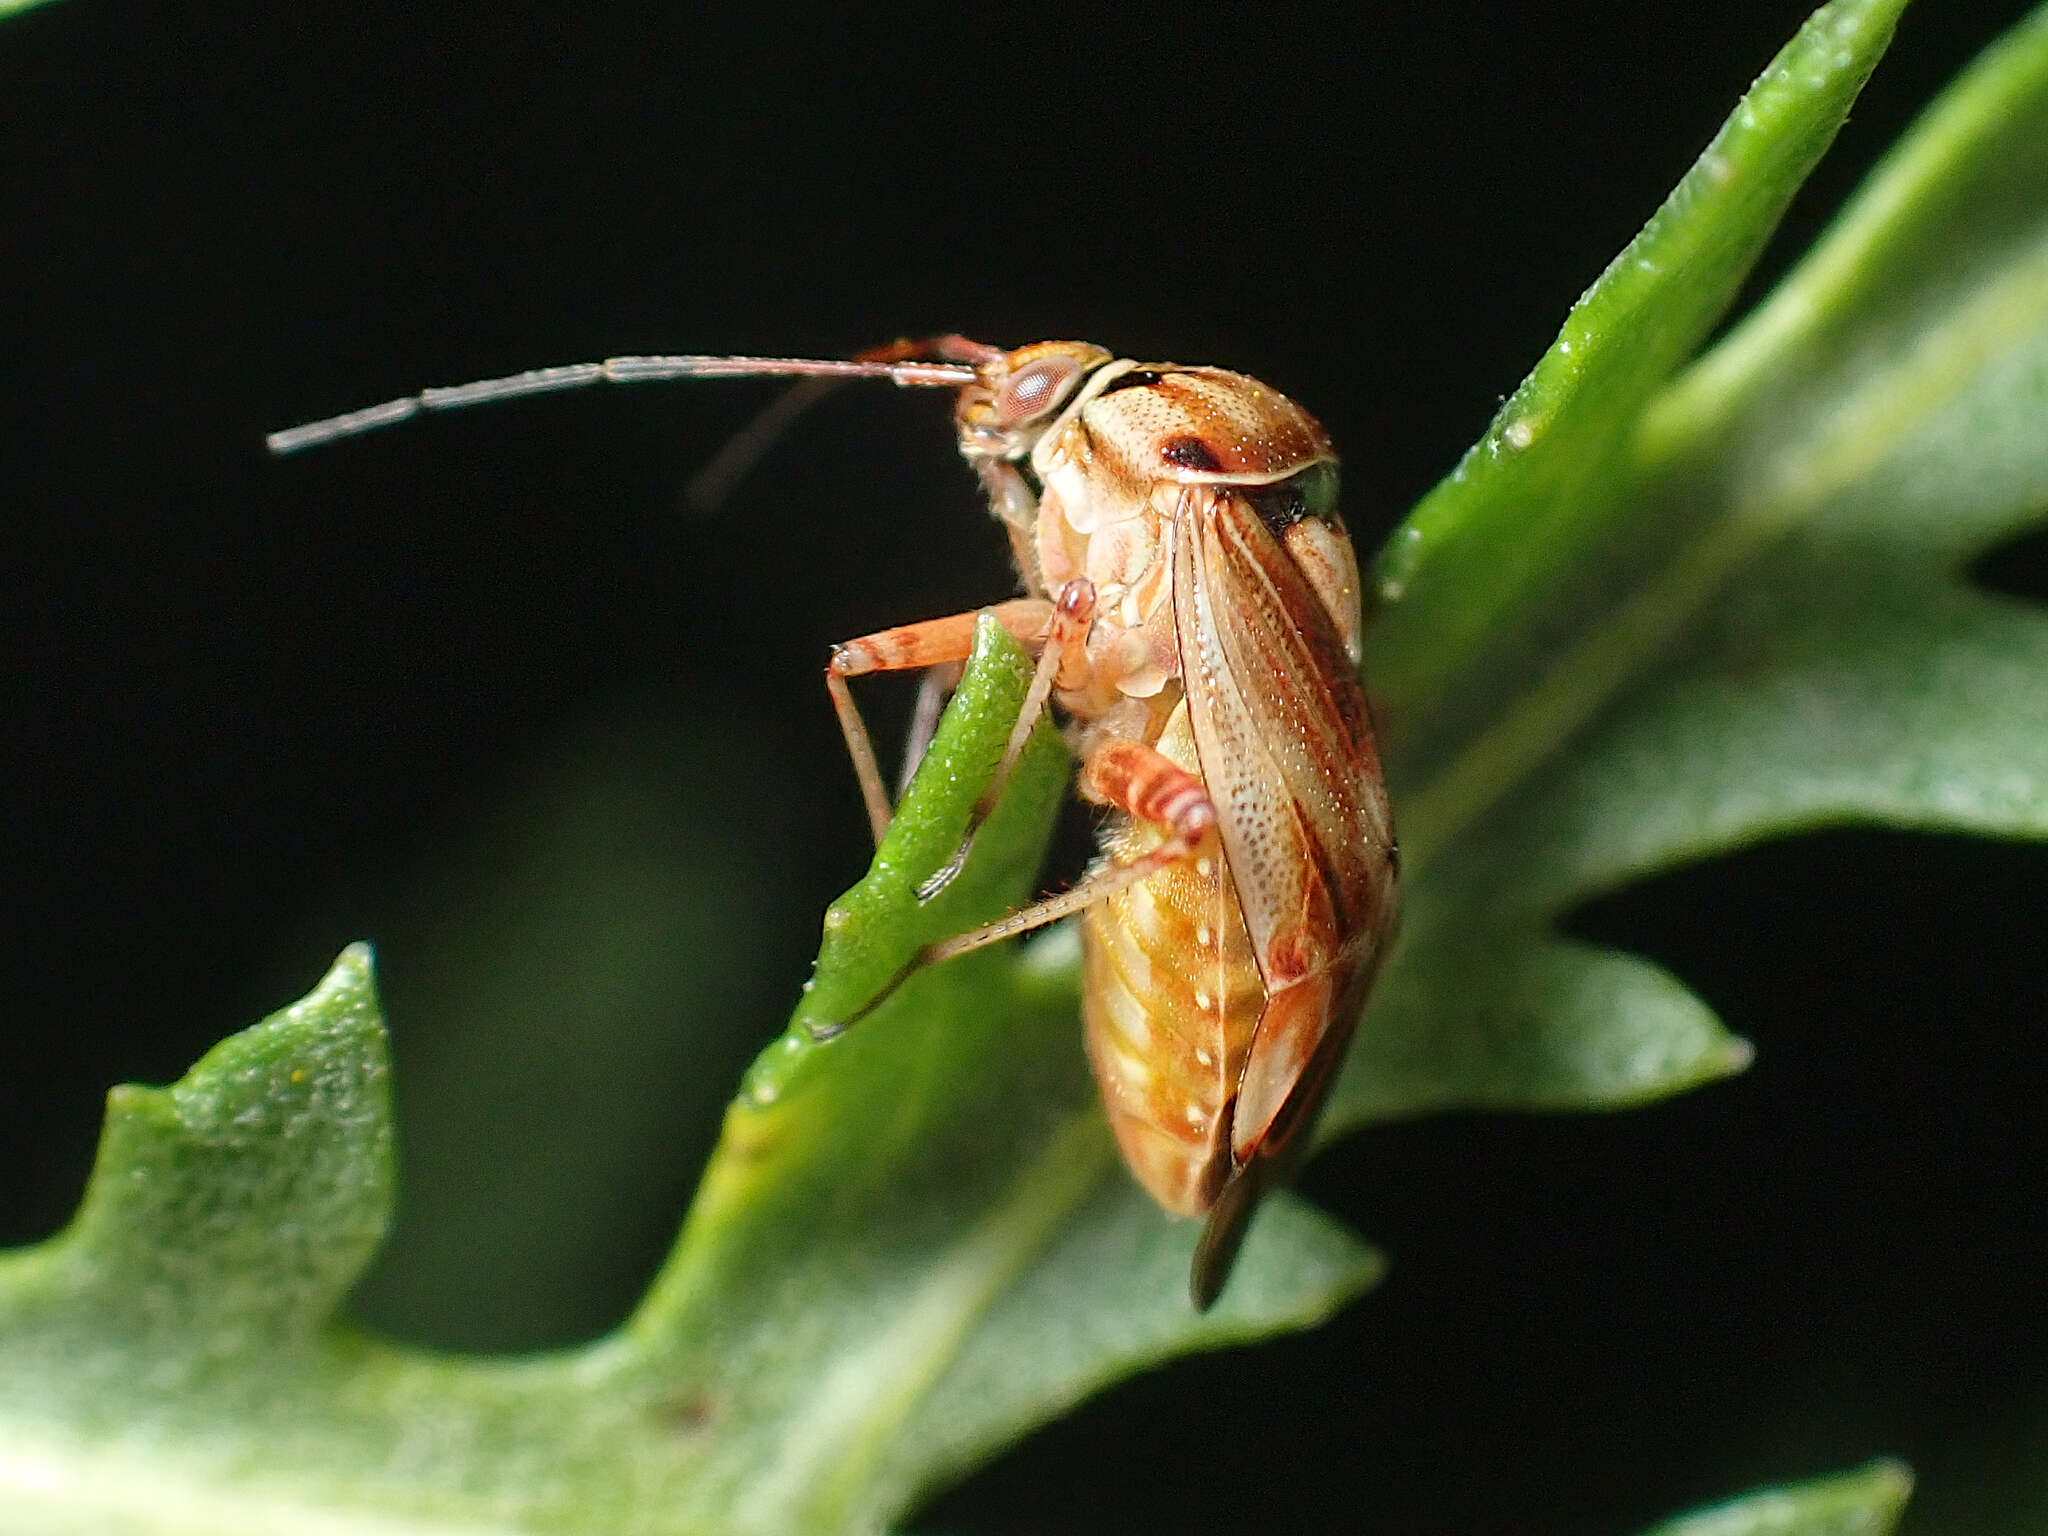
(909, 647)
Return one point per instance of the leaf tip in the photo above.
(347, 991)
(1733, 1056)
(342, 1004)
(126, 1100)
(358, 960)
(1891, 1475)
(1867, 1500)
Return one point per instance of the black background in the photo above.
(246, 702)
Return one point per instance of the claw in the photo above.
(822, 1030)
(946, 873)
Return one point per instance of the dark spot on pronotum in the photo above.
(1137, 378)
(1190, 453)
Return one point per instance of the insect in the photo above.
(1192, 598)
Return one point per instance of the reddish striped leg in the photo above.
(1057, 631)
(907, 648)
(1063, 661)
(1122, 773)
(1131, 777)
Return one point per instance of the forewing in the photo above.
(1286, 749)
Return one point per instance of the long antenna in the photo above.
(613, 370)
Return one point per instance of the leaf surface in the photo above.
(1669, 604)
(1865, 1502)
(1746, 611)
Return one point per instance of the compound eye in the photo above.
(1036, 389)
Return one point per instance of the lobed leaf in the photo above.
(896, 1262)
(1481, 583)
(1662, 608)
(1755, 617)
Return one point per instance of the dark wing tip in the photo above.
(1223, 1234)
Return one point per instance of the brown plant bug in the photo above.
(1193, 600)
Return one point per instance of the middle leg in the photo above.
(1128, 775)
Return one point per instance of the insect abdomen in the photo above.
(1171, 998)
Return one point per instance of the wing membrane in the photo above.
(1286, 749)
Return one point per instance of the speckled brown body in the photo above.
(1198, 505)
(1193, 600)
(1170, 999)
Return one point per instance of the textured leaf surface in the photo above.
(913, 1243)
(1663, 608)
(1745, 610)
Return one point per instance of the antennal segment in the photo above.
(613, 370)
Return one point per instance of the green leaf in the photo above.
(937, 1185)
(1483, 576)
(226, 1215)
(1522, 1022)
(1696, 606)
(913, 1243)
(1664, 607)
(1865, 1502)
